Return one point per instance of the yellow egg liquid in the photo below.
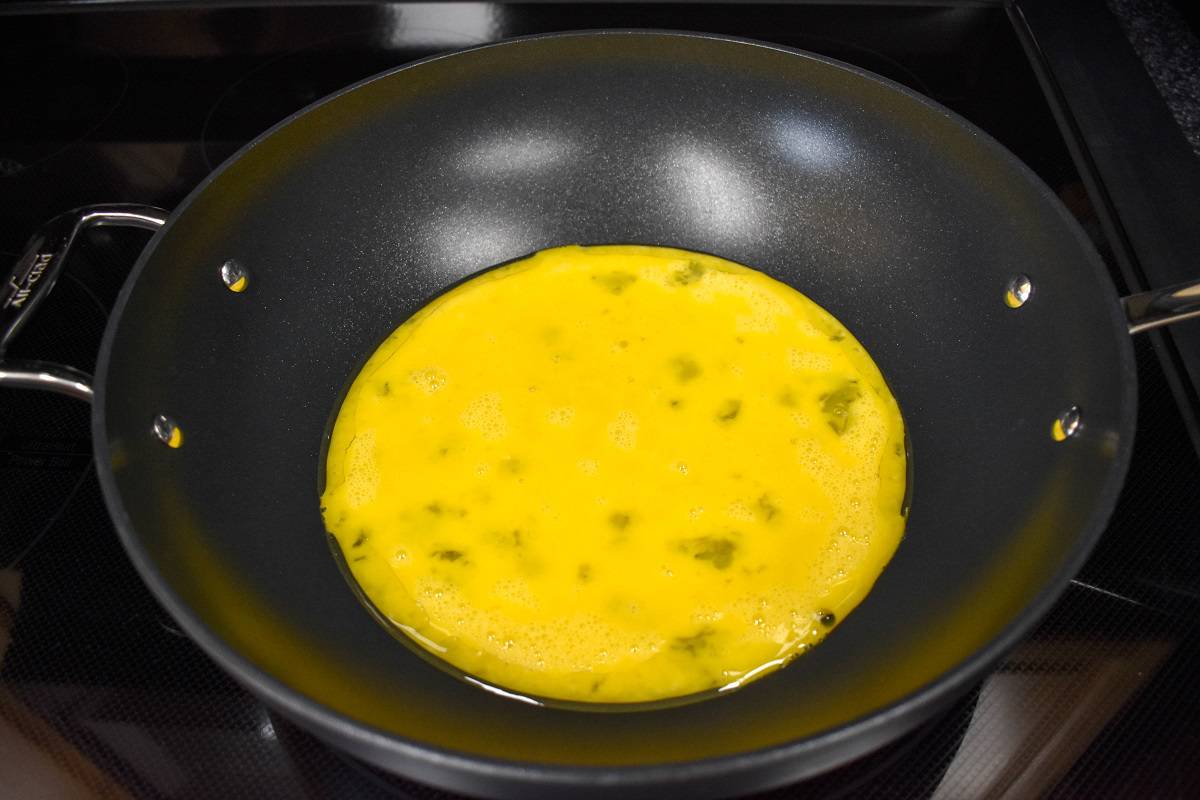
(617, 474)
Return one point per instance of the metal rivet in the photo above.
(1067, 424)
(168, 431)
(1018, 291)
(233, 276)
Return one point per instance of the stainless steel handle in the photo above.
(34, 276)
(1159, 307)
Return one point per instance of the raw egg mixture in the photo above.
(617, 473)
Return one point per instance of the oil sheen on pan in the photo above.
(616, 474)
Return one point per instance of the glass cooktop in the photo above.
(101, 695)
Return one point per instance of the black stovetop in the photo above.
(100, 694)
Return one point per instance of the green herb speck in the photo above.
(767, 507)
(685, 368)
(695, 643)
(729, 410)
(693, 272)
(716, 550)
(616, 282)
(619, 520)
(836, 406)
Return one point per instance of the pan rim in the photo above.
(809, 755)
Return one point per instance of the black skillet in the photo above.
(913, 227)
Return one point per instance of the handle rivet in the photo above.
(234, 276)
(1067, 424)
(168, 431)
(1018, 291)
